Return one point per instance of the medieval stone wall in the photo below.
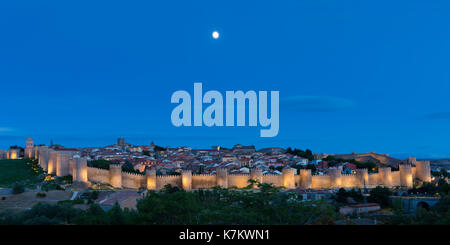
(320, 181)
(62, 163)
(133, 180)
(98, 175)
(203, 181)
(173, 180)
(238, 180)
(274, 179)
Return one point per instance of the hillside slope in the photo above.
(380, 159)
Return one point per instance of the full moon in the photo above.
(215, 34)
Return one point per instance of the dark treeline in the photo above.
(175, 206)
(104, 164)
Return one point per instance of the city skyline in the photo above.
(352, 77)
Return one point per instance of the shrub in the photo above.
(40, 194)
(71, 202)
(51, 185)
(89, 195)
(380, 195)
(66, 179)
(104, 164)
(18, 188)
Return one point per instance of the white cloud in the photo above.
(6, 130)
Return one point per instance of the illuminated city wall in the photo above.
(120, 179)
(58, 162)
(204, 181)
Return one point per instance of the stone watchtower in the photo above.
(256, 174)
(80, 172)
(29, 148)
(43, 157)
(362, 174)
(222, 177)
(115, 175)
(51, 166)
(288, 176)
(411, 160)
(151, 179)
(186, 179)
(406, 178)
(62, 163)
(423, 171)
(335, 177)
(385, 176)
(305, 178)
(13, 153)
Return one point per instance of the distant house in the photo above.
(302, 161)
(272, 150)
(322, 165)
(244, 170)
(316, 162)
(228, 158)
(243, 150)
(349, 168)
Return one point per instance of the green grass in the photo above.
(15, 170)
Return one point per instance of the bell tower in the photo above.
(29, 148)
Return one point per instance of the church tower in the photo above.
(29, 148)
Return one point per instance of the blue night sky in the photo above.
(353, 76)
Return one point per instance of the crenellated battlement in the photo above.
(200, 175)
(131, 173)
(168, 176)
(62, 163)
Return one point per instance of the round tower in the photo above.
(256, 174)
(43, 157)
(72, 169)
(36, 152)
(51, 166)
(186, 179)
(385, 176)
(305, 178)
(151, 179)
(362, 174)
(411, 160)
(222, 177)
(80, 170)
(115, 175)
(406, 175)
(423, 171)
(29, 151)
(335, 177)
(13, 153)
(288, 178)
(62, 163)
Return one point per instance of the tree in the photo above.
(251, 183)
(128, 167)
(159, 148)
(355, 194)
(115, 216)
(381, 196)
(305, 154)
(341, 196)
(18, 188)
(104, 164)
